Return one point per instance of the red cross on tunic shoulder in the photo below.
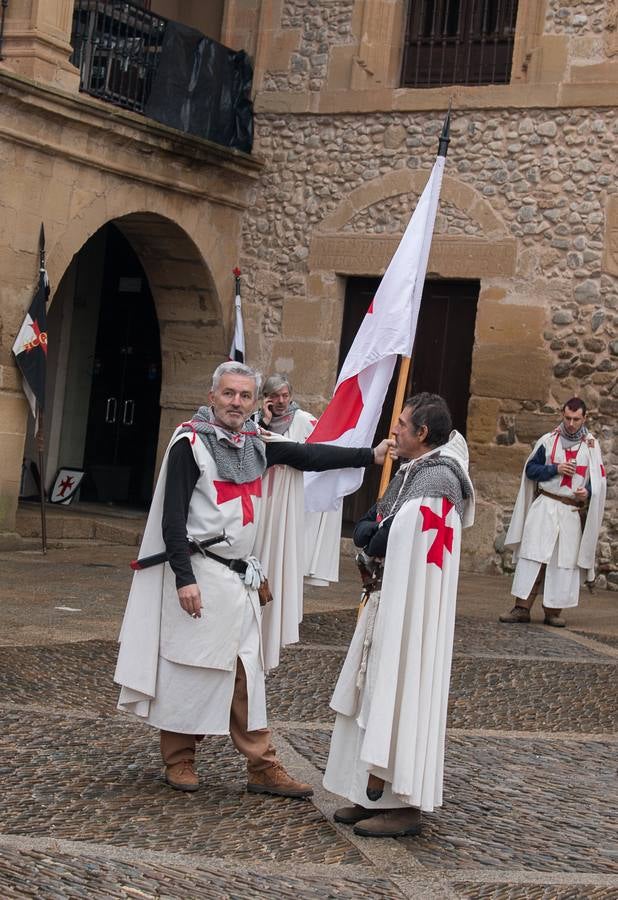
(227, 490)
(444, 536)
(567, 480)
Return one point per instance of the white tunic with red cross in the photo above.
(391, 722)
(177, 673)
(216, 506)
(550, 522)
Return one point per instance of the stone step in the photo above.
(63, 526)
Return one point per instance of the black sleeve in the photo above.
(365, 528)
(369, 535)
(182, 475)
(377, 544)
(317, 457)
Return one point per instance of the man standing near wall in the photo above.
(563, 481)
(282, 415)
(191, 655)
(317, 535)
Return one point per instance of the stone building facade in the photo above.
(79, 166)
(528, 209)
(528, 216)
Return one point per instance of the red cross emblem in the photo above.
(444, 537)
(65, 485)
(567, 480)
(227, 490)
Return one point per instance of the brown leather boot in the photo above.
(391, 823)
(552, 617)
(182, 776)
(275, 780)
(350, 815)
(517, 615)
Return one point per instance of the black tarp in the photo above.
(202, 87)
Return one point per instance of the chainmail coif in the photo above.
(240, 457)
(435, 476)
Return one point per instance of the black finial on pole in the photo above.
(444, 138)
(42, 247)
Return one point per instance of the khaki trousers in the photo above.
(528, 602)
(254, 745)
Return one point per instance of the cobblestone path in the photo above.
(530, 782)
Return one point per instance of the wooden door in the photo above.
(441, 359)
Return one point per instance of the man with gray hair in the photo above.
(387, 746)
(315, 552)
(190, 658)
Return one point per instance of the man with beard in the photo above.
(191, 658)
(562, 477)
(387, 747)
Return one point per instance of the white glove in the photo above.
(254, 575)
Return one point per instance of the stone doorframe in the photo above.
(336, 253)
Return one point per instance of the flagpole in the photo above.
(40, 445)
(404, 369)
(40, 435)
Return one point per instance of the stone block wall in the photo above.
(528, 208)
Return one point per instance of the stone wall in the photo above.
(76, 164)
(545, 176)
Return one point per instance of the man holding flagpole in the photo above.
(387, 747)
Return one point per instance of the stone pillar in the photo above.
(12, 434)
(37, 36)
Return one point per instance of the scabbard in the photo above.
(157, 559)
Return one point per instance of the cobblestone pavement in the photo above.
(530, 774)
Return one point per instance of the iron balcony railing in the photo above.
(459, 42)
(116, 47)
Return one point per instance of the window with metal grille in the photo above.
(458, 42)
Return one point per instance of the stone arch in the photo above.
(182, 283)
(456, 192)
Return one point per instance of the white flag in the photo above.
(388, 329)
(237, 350)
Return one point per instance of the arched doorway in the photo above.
(105, 380)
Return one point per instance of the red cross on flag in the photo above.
(388, 329)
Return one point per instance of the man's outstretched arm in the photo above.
(322, 457)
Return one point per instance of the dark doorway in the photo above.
(441, 359)
(124, 411)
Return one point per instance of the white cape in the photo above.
(399, 715)
(279, 547)
(594, 517)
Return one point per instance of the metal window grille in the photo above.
(116, 47)
(459, 42)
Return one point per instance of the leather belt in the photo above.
(568, 501)
(236, 565)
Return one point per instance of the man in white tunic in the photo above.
(387, 747)
(191, 658)
(317, 535)
(563, 477)
(281, 414)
